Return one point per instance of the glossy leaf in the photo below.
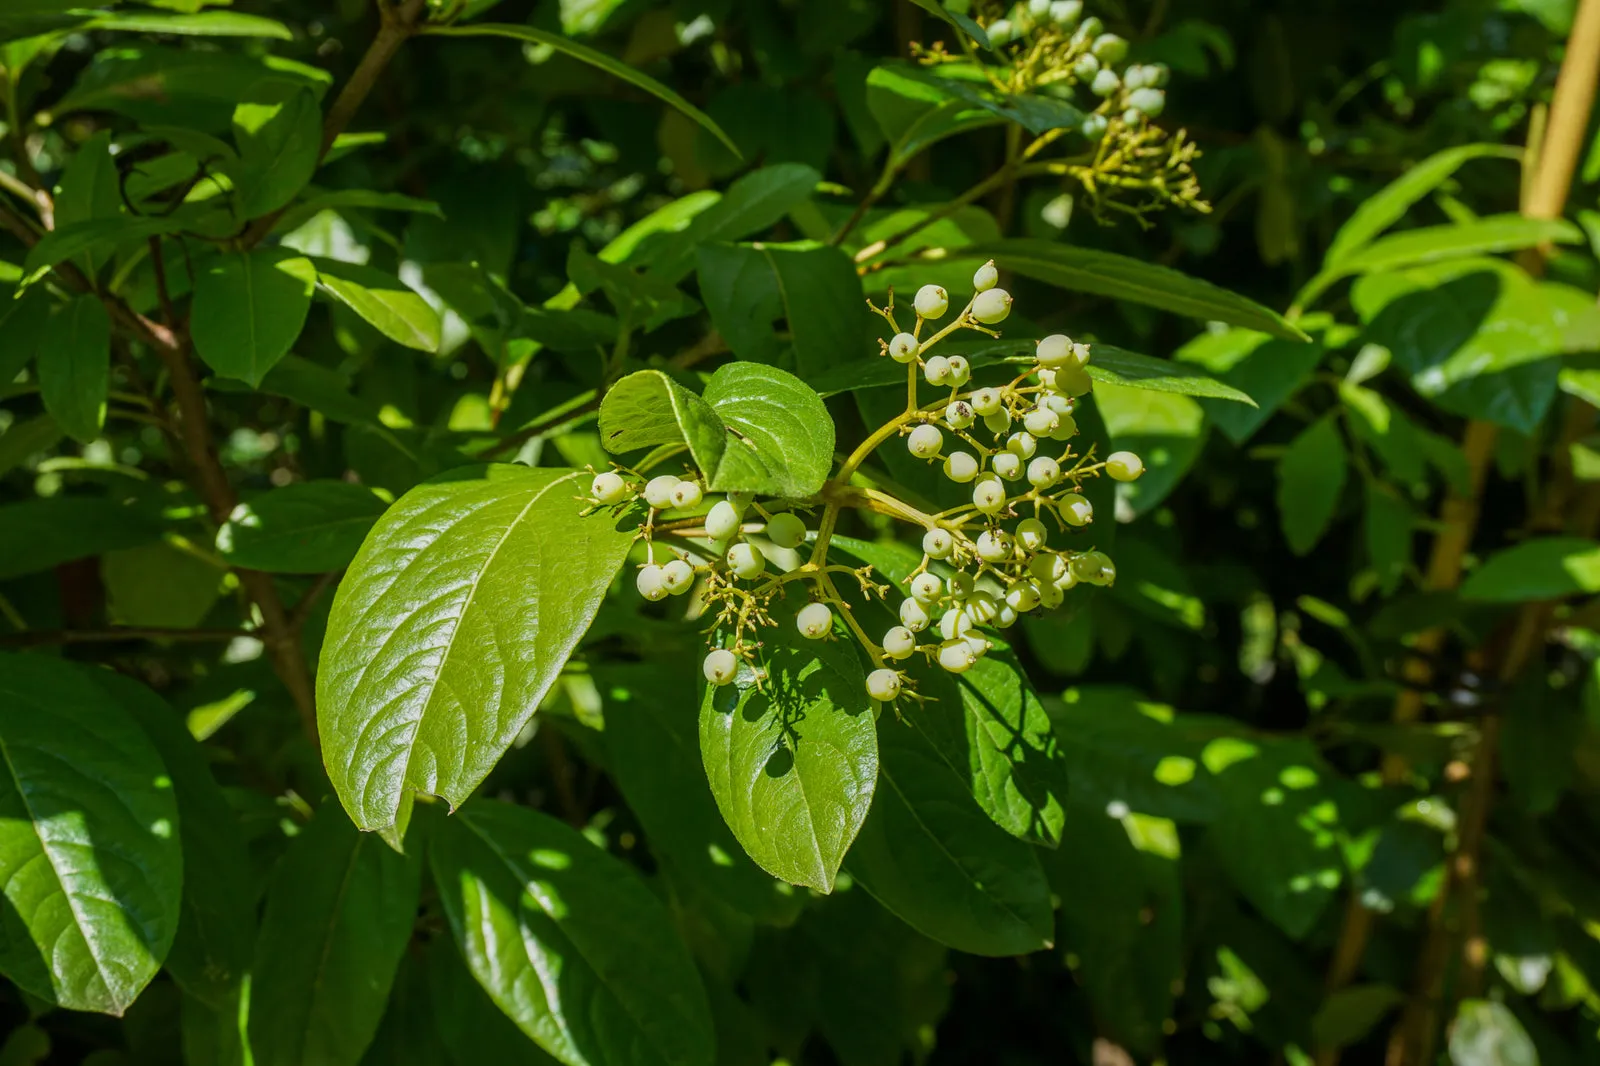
(1311, 479)
(1165, 429)
(21, 327)
(279, 132)
(930, 854)
(1122, 278)
(90, 861)
(813, 290)
(962, 85)
(585, 54)
(41, 533)
(752, 204)
(793, 763)
(914, 115)
(1543, 568)
(75, 367)
(568, 941)
(195, 24)
(1265, 368)
(961, 22)
(339, 913)
(99, 234)
(305, 528)
(453, 621)
(249, 308)
(392, 307)
(89, 190)
(1117, 366)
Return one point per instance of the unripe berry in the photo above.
(903, 348)
(926, 588)
(1065, 13)
(989, 495)
(1006, 618)
(722, 521)
(1150, 101)
(938, 543)
(1041, 421)
(883, 685)
(959, 415)
(651, 584)
(741, 501)
(814, 621)
(608, 487)
(1110, 49)
(987, 401)
(1132, 116)
(1094, 126)
(899, 643)
(925, 441)
(1022, 597)
(914, 616)
(957, 656)
(1060, 403)
(1066, 429)
(1085, 68)
(1105, 83)
(1007, 464)
(995, 546)
(678, 576)
(1050, 597)
(687, 495)
(1055, 350)
(746, 562)
(1066, 579)
(998, 422)
(1039, 9)
(1031, 534)
(1124, 466)
(954, 624)
(959, 585)
(932, 301)
(1138, 76)
(721, 666)
(991, 306)
(981, 608)
(960, 467)
(1043, 472)
(1000, 32)
(1096, 568)
(786, 530)
(1047, 568)
(1092, 27)
(1073, 382)
(960, 371)
(1022, 445)
(986, 278)
(936, 370)
(658, 491)
(1076, 510)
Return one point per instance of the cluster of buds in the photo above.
(1018, 546)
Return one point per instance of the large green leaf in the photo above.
(89, 190)
(99, 234)
(249, 308)
(814, 290)
(568, 941)
(963, 23)
(610, 64)
(47, 531)
(339, 914)
(305, 528)
(1117, 366)
(966, 85)
(1265, 368)
(278, 128)
(793, 762)
(75, 366)
(473, 1028)
(21, 326)
(453, 621)
(391, 306)
(1544, 568)
(1311, 479)
(915, 115)
(90, 861)
(655, 758)
(193, 24)
(929, 853)
(756, 429)
(1165, 429)
(754, 203)
(1123, 278)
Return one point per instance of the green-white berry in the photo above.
(959, 415)
(1086, 67)
(932, 301)
(883, 685)
(686, 495)
(925, 441)
(608, 487)
(957, 656)
(814, 621)
(936, 370)
(1007, 464)
(746, 562)
(1094, 126)
(651, 583)
(1022, 445)
(678, 576)
(986, 277)
(1075, 510)
(981, 608)
(899, 643)
(1150, 101)
(1110, 49)
(722, 521)
(995, 546)
(1074, 381)
(938, 543)
(721, 666)
(1031, 534)
(998, 422)
(959, 585)
(1055, 350)
(1043, 472)
(926, 588)
(1066, 13)
(991, 306)
(1000, 32)
(1041, 421)
(1124, 466)
(1066, 428)
(960, 371)
(987, 401)
(903, 348)
(658, 491)
(1022, 597)
(914, 616)
(1105, 83)
(960, 467)
(786, 530)
(989, 494)
(954, 624)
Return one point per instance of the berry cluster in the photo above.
(1007, 552)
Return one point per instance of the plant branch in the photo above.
(34, 638)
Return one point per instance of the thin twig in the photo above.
(308, 599)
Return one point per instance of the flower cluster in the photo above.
(1017, 546)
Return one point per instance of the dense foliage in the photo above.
(689, 532)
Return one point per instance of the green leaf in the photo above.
(1389, 205)
(305, 528)
(197, 24)
(323, 390)
(1351, 1013)
(756, 429)
(643, 300)
(88, 190)
(1543, 568)
(1117, 366)
(68, 241)
(278, 128)
(989, 727)
(217, 922)
(930, 854)
(47, 531)
(655, 759)
(453, 621)
(1390, 523)
(1486, 1033)
(249, 308)
(1164, 429)
(90, 861)
(1385, 429)
(1122, 278)
(1311, 479)
(960, 22)
(75, 366)
(339, 913)
(965, 85)
(616, 68)
(793, 763)
(392, 307)
(815, 291)
(1266, 369)
(160, 584)
(473, 1028)
(569, 942)
(752, 204)
(21, 440)
(914, 115)
(21, 330)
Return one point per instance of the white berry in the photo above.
(986, 278)
(1074, 381)
(1124, 466)
(1022, 445)
(1057, 402)
(987, 401)
(914, 616)
(1007, 464)
(1006, 618)
(899, 643)
(608, 487)
(954, 624)
(903, 348)
(1041, 421)
(959, 415)
(720, 666)
(981, 608)
(1076, 510)
(677, 576)
(932, 301)
(991, 306)
(994, 546)
(658, 491)
(926, 588)
(989, 495)
(960, 585)
(925, 441)
(814, 620)
(746, 562)
(1032, 534)
(786, 530)
(998, 422)
(936, 370)
(1043, 472)
(960, 371)
(1055, 350)
(883, 685)
(722, 521)
(956, 656)
(960, 467)
(938, 543)
(651, 583)
(686, 495)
